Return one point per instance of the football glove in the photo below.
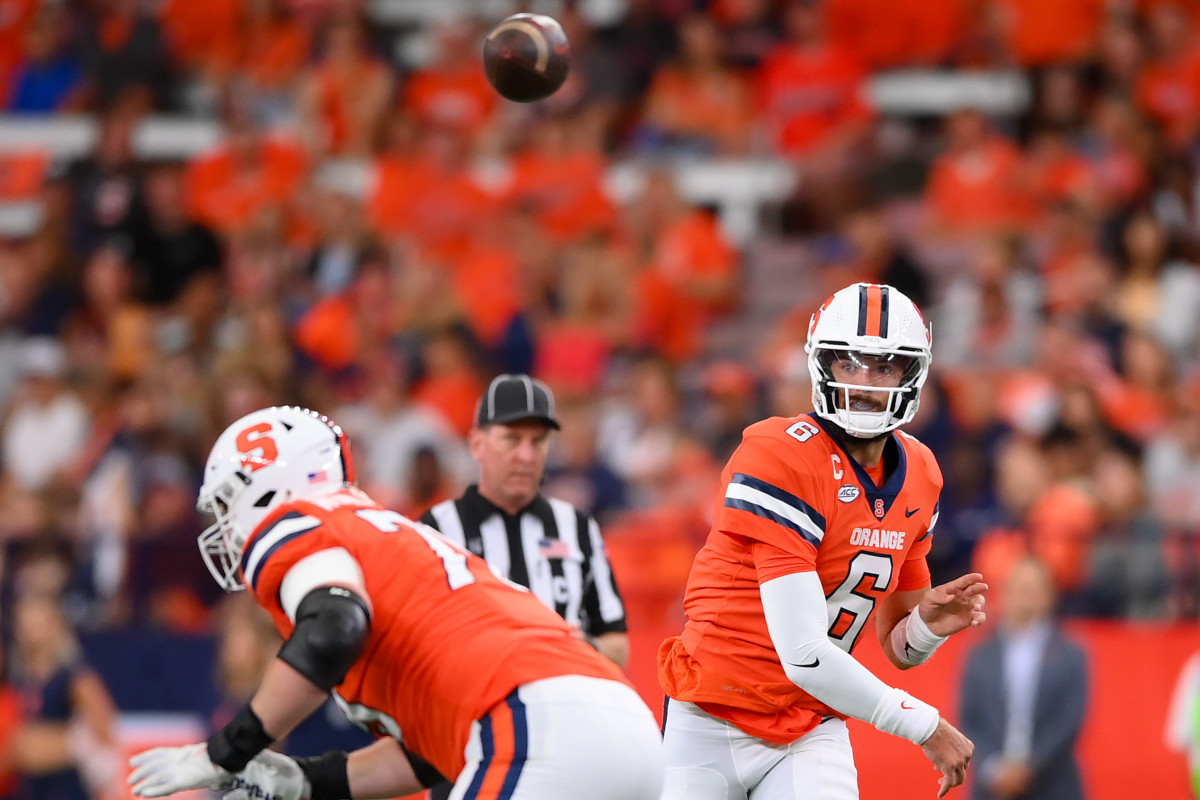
(270, 776)
(166, 770)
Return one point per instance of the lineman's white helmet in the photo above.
(265, 459)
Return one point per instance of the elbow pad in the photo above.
(332, 625)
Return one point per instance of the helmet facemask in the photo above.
(836, 389)
(220, 543)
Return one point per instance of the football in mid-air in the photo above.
(526, 57)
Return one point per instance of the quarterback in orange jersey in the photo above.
(824, 520)
(458, 672)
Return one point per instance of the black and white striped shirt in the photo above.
(550, 546)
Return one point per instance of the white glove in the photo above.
(166, 770)
(270, 776)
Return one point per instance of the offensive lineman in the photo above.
(825, 519)
(458, 672)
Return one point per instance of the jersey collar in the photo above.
(890, 490)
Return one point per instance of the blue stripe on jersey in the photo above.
(759, 511)
(270, 539)
(520, 746)
(781, 495)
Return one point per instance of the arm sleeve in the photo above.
(796, 619)
(603, 610)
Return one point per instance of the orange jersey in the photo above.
(449, 639)
(793, 500)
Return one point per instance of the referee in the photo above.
(543, 543)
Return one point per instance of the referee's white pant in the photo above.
(711, 759)
(567, 737)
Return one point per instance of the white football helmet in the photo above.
(264, 459)
(871, 320)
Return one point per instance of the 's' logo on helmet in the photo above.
(257, 447)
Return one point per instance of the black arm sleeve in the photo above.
(332, 624)
(327, 776)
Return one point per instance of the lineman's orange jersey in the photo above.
(449, 639)
(794, 501)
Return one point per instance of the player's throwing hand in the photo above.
(950, 752)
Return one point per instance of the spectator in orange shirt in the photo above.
(592, 314)
(890, 33)
(1040, 33)
(812, 91)
(696, 103)
(429, 194)
(491, 289)
(248, 174)
(343, 98)
(972, 185)
(1169, 88)
(691, 271)
(560, 178)
(1054, 172)
(451, 91)
(264, 55)
(198, 31)
(451, 382)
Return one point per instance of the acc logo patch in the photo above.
(848, 493)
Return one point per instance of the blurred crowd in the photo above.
(1056, 251)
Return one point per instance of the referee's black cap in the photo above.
(512, 398)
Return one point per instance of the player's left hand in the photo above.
(954, 606)
(270, 776)
(166, 770)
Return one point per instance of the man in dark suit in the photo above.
(1024, 693)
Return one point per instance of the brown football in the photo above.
(526, 57)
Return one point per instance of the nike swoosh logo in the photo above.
(906, 706)
(909, 513)
(816, 662)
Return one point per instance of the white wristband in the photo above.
(901, 714)
(912, 641)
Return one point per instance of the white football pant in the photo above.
(567, 737)
(711, 759)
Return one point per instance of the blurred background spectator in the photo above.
(1024, 695)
